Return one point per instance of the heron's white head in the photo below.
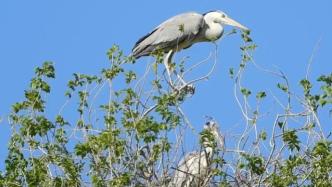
(220, 17)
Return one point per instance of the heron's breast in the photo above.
(186, 43)
(214, 32)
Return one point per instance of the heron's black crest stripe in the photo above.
(210, 12)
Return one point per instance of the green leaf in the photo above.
(245, 36)
(326, 78)
(130, 76)
(47, 70)
(181, 28)
(281, 124)
(291, 139)
(245, 92)
(263, 135)
(282, 87)
(255, 164)
(231, 72)
(306, 85)
(260, 95)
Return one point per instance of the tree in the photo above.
(124, 136)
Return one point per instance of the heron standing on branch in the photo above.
(194, 169)
(182, 31)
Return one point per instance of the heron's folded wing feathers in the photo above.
(170, 33)
(179, 27)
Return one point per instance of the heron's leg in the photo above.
(167, 61)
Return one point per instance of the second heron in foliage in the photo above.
(195, 168)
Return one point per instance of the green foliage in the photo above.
(326, 97)
(316, 162)
(318, 100)
(245, 92)
(39, 145)
(321, 165)
(287, 175)
(282, 87)
(30, 150)
(207, 139)
(263, 135)
(260, 95)
(291, 139)
(245, 36)
(124, 139)
(255, 164)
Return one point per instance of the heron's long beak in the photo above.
(229, 21)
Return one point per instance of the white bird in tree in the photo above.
(194, 169)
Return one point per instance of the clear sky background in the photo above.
(76, 35)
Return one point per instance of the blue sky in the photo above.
(76, 35)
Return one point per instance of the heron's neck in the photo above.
(207, 148)
(213, 30)
(209, 151)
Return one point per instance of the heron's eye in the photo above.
(223, 15)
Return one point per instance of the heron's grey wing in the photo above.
(170, 34)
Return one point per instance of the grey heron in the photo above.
(194, 169)
(182, 31)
